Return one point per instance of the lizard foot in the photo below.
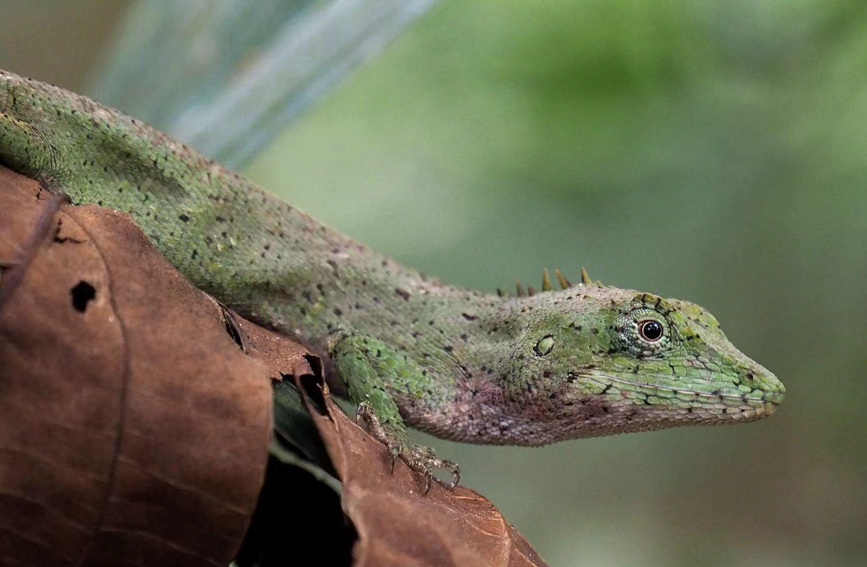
(418, 458)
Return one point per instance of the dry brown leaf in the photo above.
(281, 356)
(398, 524)
(133, 430)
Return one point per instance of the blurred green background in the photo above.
(713, 151)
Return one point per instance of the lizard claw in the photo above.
(418, 458)
(394, 451)
(422, 459)
(453, 469)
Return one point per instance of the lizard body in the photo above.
(464, 365)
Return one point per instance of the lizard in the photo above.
(525, 369)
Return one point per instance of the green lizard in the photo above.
(530, 369)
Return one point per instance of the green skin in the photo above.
(462, 365)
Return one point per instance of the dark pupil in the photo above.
(650, 330)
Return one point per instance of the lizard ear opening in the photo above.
(545, 345)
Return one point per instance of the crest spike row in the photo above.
(531, 291)
(502, 293)
(546, 281)
(520, 289)
(585, 278)
(564, 283)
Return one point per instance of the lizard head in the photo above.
(598, 360)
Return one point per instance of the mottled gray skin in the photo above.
(459, 364)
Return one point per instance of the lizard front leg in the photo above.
(373, 372)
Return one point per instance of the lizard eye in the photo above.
(650, 330)
(644, 331)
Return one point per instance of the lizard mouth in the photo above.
(756, 399)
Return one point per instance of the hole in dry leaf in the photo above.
(315, 364)
(82, 294)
